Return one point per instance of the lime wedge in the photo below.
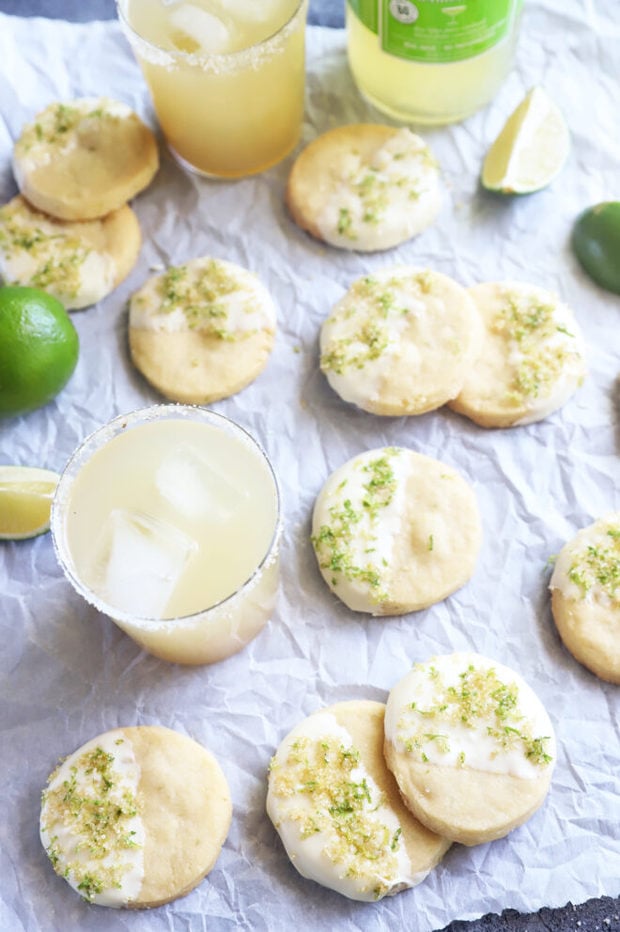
(25, 501)
(531, 148)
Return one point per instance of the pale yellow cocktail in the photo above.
(167, 520)
(226, 78)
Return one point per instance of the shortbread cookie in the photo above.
(394, 531)
(201, 331)
(531, 359)
(585, 597)
(82, 159)
(136, 817)
(401, 341)
(78, 263)
(366, 187)
(471, 746)
(337, 808)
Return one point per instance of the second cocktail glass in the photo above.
(227, 78)
(168, 521)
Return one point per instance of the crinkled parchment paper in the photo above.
(68, 673)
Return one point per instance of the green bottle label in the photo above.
(437, 30)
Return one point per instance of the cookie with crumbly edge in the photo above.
(77, 262)
(394, 531)
(84, 158)
(337, 807)
(401, 341)
(365, 187)
(531, 359)
(471, 746)
(202, 330)
(585, 597)
(135, 817)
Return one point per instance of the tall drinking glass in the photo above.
(226, 78)
(168, 521)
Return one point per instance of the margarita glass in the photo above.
(227, 78)
(168, 521)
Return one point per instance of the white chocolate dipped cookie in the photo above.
(365, 187)
(471, 746)
(395, 531)
(82, 159)
(136, 817)
(585, 597)
(531, 358)
(338, 811)
(401, 341)
(77, 262)
(201, 331)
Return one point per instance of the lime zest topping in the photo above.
(56, 122)
(202, 297)
(372, 303)
(98, 812)
(337, 800)
(333, 542)
(479, 697)
(59, 256)
(531, 325)
(598, 566)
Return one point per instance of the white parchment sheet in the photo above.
(69, 674)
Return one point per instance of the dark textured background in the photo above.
(601, 915)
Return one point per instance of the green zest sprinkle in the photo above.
(479, 697)
(333, 542)
(345, 808)
(345, 223)
(98, 812)
(202, 297)
(531, 325)
(372, 303)
(598, 566)
(57, 258)
(56, 123)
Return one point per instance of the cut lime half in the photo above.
(531, 148)
(25, 501)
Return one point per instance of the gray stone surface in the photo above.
(597, 915)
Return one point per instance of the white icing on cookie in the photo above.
(90, 823)
(331, 815)
(57, 256)
(357, 517)
(465, 710)
(60, 129)
(531, 359)
(378, 202)
(400, 341)
(204, 295)
(588, 567)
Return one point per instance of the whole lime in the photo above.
(38, 349)
(596, 243)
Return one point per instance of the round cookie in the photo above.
(471, 746)
(82, 159)
(401, 341)
(365, 186)
(585, 597)
(531, 358)
(394, 531)
(136, 817)
(78, 263)
(201, 331)
(338, 811)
